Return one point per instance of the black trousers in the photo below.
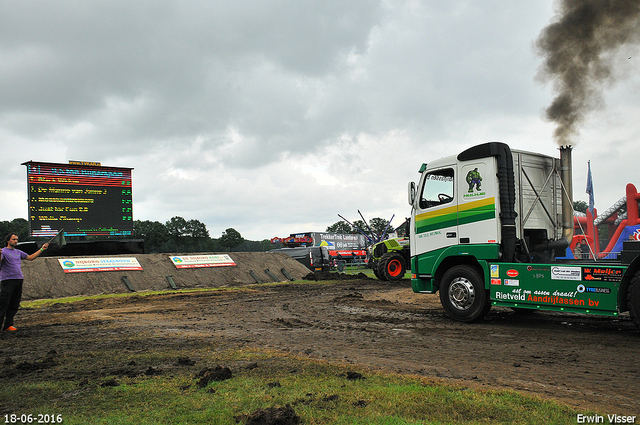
(10, 296)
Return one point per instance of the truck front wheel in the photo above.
(392, 266)
(462, 294)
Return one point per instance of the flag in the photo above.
(590, 188)
(58, 239)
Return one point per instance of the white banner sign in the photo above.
(75, 265)
(566, 273)
(193, 261)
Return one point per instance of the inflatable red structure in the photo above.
(622, 220)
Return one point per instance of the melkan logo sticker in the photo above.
(512, 273)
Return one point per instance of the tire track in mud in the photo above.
(584, 361)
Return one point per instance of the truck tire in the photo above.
(392, 266)
(462, 294)
(633, 299)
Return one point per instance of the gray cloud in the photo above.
(271, 117)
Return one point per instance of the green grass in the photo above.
(319, 392)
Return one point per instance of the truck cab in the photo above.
(490, 225)
(459, 209)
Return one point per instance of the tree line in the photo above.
(19, 226)
(175, 235)
(377, 226)
(181, 235)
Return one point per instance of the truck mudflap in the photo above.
(422, 285)
(561, 287)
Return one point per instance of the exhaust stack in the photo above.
(567, 205)
(567, 202)
(567, 196)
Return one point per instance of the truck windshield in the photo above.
(438, 188)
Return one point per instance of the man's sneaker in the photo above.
(11, 328)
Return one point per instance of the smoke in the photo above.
(579, 49)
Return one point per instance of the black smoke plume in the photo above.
(578, 50)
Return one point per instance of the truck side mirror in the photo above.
(412, 193)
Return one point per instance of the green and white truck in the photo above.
(489, 227)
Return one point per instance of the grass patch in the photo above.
(164, 386)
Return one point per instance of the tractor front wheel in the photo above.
(392, 266)
(377, 273)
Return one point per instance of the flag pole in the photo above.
(56, 235)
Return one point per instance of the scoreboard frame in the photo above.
(84, 199)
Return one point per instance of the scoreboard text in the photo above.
(84, 200)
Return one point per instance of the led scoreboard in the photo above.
(84, 199)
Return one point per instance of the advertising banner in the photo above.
(75, 265)
(339, 240)
(194, 261)
(557, 287)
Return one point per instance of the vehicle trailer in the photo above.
(487, 226)
(315, 258)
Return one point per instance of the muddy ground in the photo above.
(584, 361)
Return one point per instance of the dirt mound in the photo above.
(45, 278)
(271, 416)
(215, 374)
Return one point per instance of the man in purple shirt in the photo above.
(11, 279)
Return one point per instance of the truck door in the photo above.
(435, 225)
(477, 211)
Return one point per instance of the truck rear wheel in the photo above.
(462, 294)
(392, 266)
(633, 299)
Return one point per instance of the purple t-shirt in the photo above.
(10, 267)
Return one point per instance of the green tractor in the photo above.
(390, 258)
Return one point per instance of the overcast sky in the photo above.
(273, 117)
